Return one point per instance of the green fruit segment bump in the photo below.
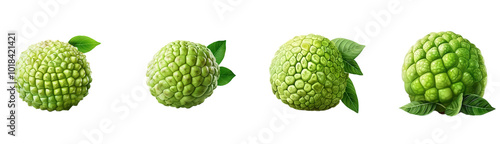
(445, 69)
(309, 72)
(184, 74)
(53, 75)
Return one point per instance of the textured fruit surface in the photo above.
(307, 73)
(441, 66)
(52, 75)
(182, 74)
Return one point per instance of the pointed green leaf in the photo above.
(226, 75)
(419, 108)
(350, 99)
(83, 43)
(349, 49)
(350, 66)
(475, 105)
(455, 105)
(218, 48)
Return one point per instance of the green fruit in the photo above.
(182, 74)
(52, 75)
(441, 66)
(307, 73)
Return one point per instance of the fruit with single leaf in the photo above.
(184, 74)
(310, 72)
(55, 75)
(441, 72)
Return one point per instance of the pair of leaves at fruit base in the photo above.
(471, 104)
(218, 49)
(349, 51)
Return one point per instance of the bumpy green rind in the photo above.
(441, 66)
(307, 73)
(182, 74)
(52, 75)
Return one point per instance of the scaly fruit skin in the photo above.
(52, 75)
(182, 74)
(307, 73)
(441, 66)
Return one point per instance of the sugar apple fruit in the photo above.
(184, 74)
(52, 75)
(443, 68)
(309, 72)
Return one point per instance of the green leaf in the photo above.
(351, 66)
(455, 105)
(226, 75)
(475, 105)
(350, 98)
(419, 108)
(83, 43)
(349, 49)
(440, 108)
(218, 48)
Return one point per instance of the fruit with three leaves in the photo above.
(445, 72)
(310, 72)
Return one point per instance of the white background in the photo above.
(246, 111)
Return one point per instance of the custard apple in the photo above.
(52, 75)
(184, 73)
(442, 68)
(309, 72)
